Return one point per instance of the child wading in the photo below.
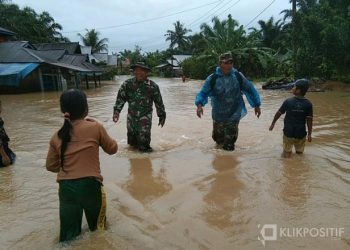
(74, 155)
(298, 111)
(7, 157)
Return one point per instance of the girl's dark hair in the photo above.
(74, 103)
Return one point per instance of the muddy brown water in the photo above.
(187, 194)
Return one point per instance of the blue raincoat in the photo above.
(226, 96)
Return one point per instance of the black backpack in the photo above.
(215, 76)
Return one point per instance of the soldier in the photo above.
(140, 93)
(225, 87)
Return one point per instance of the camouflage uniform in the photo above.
(140, 96)
(225, 133)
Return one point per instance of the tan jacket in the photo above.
(81, 158)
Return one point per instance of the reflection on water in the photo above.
(295, 187)
(223, 196)
(7, 191)
(143, 184)
(186, 194)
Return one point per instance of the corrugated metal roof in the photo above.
(6, 32)
(72, 48)
(162, 65)
(80, 61)
(54, 55)
(15, 52)
(74, 59)
(15, 68)
(181, 58)
(101, 57)
(69, 66)
(173, 62)
(12, 73)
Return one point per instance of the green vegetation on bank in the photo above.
(315, 42)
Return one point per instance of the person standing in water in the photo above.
(140, 93)
(7, 157)
(74, 155)
(298, 111)
(225, 87)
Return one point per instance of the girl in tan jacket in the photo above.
(74, 155)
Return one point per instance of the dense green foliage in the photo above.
(29, 25)
(323, 38)
(315, 43)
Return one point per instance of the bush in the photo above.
(111, 72)
(198, 67)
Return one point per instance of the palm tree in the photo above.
(303, 5)
(270, 33)
(227, 35)
(223, 35)
(29, 25)
(91, 38)
(49, 27)
(178, 37)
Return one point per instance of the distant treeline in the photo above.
(315, 42)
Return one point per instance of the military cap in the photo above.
(141, 65)
(226, 57)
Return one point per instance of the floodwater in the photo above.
(187, 194)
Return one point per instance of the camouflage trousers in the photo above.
(139, 130)
(225, 133)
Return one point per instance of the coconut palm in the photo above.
(178, 37)
(270, 33)
(228, 35)
(91, 38)
(223, 36)
(303, 5)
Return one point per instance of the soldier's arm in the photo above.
(250, 92)
(158, 101)
(121, 99)
(202, 96)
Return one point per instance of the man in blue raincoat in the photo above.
(225, 88)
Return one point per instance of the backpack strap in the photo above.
(240, 79)
(213, 80)
(215, 77)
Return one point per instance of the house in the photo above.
(25, 67)
(70, 47)
(172, 67)
(100, 58)
(5, 35)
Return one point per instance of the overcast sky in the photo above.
(127, 23)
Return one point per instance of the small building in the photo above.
(25, 68)
(5, 35)
(70, 47)
(172, 67)
(100, 58)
